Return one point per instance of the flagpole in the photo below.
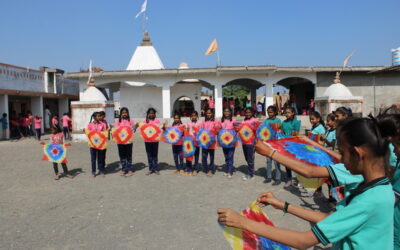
(218, 58)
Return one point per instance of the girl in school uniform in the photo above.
(54, 122)
(177, 147)
(152, 147)
(365, 213)
(317, 123)
(248, 147)
(38, 127)
(210, 124)
(193, 127)
(275, 122)
(228, 122)
(391, 129)
(57, 138)
(95, 124)
(125, 150)
(65, 123)
(330, 136)
(290, 127)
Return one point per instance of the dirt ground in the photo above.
(138, 212)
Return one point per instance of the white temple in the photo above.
(338, 95)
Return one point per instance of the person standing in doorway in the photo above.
(47, 116)
(4, 126)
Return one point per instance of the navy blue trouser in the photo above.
(178, 157)
(189, 164)
(152, 155)
(229, 153)
(65, 132)
(100, 157)
(204, 155)
(248, 150)
(38, 133)
(125, 157)
(63, 165)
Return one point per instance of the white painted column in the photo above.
(4, 109)
(269, 93)
(62, 106)
(55, 83)
(166, 101)
(37, 108)
(218, 99)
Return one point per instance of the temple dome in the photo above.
(92, 93)
(337, 90)
(145, 56)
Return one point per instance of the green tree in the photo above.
(235, 91)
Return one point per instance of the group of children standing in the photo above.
(368, 149)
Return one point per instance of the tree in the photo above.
(235, 91)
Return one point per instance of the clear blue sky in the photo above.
(66, 34)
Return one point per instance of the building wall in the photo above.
(193, 91)
(139, 99)
(20, 79)
(385, 93)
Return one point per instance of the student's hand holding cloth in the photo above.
(268, 198)
(230, 218)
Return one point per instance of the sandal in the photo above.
(175, 171)
(130, 173)
(157, 172)
(122, 173)
(57, 177)
(69, 176)
(149, 173)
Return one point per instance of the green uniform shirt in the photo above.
(340, 176)
(275, 120)
(392, 156)
(330, 136)
(396, 189)
(289, 126)
(362, 221)
(318, 130)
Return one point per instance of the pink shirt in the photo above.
(54, 121)
(192, 126)
(227, 124)
(209, 125)
(30, 120)
(211, 104)
(65, 119)
(38, 123)
(57, 138)
(96, 126)
(155, 121)
(124, 122)
(252, 121)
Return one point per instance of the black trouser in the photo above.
(63, 165)
(38, 133)
(125, 157)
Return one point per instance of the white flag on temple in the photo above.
(143, 9)
(346, 61)
(90, 70)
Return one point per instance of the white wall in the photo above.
(188, 90)
(139, 99)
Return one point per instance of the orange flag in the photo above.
(213, 47)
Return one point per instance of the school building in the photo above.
(23, 89)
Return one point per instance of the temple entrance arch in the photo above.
(301, 91)
(242, 92)
(183, 106)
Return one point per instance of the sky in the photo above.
(66, 34)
